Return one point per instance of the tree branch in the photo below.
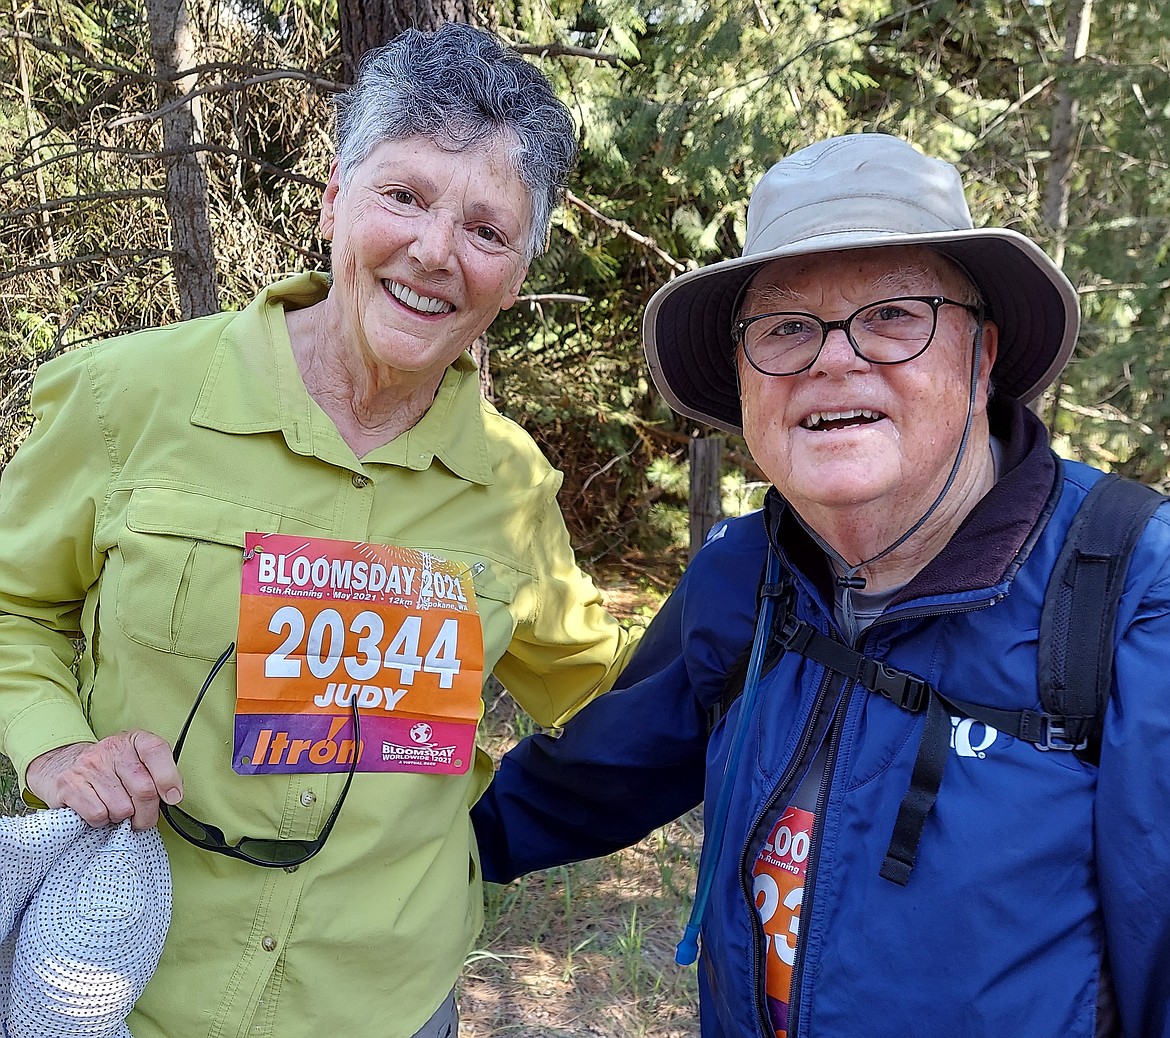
(557, 50)
(54, 204)
(624, 228)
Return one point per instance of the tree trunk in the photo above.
(369, 23)
(481, 354)
(1063, 151)
(706, 498)
(34, 139)
(172, 46)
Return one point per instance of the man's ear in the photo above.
(987, 357)
(329, 201)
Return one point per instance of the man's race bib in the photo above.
(323, 621)
(778, 887)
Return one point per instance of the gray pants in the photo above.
(444, 1023)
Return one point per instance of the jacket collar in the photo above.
(253, 385)
(992, 542)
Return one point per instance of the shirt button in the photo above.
(268, 944)
(360, 481)
(308, 798)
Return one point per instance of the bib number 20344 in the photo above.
(325, 622)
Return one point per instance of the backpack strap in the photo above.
(1075, 665)
(736, 676)
(1079, 617)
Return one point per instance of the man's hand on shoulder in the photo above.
(121, 776)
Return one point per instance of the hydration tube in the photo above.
(688, 948)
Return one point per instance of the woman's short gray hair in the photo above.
(461, 87)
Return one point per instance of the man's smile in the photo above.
(825, 421)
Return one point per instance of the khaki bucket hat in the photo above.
(860, 191)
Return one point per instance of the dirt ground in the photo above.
(587, 951)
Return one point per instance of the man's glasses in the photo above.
(890, 331)
(267, 852)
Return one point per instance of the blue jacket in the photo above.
(1037, 873)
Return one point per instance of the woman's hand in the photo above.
(122, 776)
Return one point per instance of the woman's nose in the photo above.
(433, 242)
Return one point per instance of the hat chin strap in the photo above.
(849, 580)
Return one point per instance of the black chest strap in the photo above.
(1075, 664)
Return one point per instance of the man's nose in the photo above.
(837, 354)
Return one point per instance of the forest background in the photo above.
(161, 159)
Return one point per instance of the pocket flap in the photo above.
(191, 514)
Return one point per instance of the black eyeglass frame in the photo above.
(934, 302)
(298, 851)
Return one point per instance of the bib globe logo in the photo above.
(420, 732)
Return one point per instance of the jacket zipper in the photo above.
(786, 778)
(915, 613)
(836, 727)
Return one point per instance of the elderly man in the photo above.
(911, 862)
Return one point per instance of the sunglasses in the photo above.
(267, 852)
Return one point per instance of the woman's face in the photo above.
(428, 246)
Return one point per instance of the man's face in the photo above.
(847, 433)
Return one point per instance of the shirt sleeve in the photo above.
(1132, 835)
(566, 648)
(51, 494)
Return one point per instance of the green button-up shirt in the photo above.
(122, 519)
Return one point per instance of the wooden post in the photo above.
(706, 504)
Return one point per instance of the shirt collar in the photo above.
(253, 385)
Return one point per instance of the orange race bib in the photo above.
(778, 888)
(323, 621)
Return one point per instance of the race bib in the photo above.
(778, 888)
(325, 621)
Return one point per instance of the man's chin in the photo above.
(838, 485)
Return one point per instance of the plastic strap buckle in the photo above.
(1054, 736)
(795, 635)
(902, 689)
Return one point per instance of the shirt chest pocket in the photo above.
(181, 557)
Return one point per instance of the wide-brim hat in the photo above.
(89, 938)
(866, 190)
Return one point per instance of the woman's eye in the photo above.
(489, 234)
(400, 194)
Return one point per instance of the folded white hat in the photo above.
(92, 930)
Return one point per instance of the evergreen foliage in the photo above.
(681, 108)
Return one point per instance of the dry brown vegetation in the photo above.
(587, 950)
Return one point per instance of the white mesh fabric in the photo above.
(90, 937)
(29, 844)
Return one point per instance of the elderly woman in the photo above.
(315, 479)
